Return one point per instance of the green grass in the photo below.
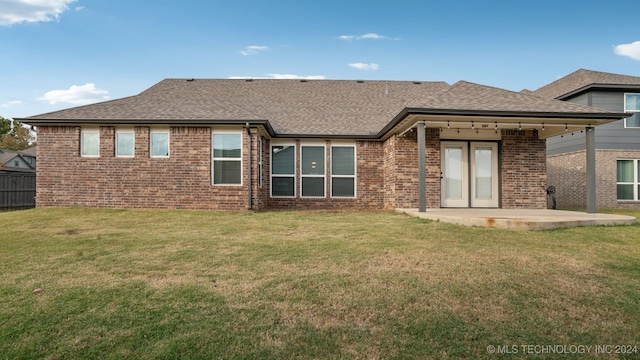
(306, 285)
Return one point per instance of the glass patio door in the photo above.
(484, 174)
(455, 178)
(469, 174)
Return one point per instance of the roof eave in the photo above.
(610, 87)
(407, 112)
(181, 122)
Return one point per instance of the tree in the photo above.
(5, 126)
(14, 136)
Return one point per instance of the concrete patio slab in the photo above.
(520, 219)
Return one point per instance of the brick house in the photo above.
(616, 144)
(239, 144)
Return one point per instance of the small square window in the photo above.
(159, 143)
(125, 143)
(90, 143)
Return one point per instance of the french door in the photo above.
(469, 174)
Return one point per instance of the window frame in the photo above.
(160, 131)
(125, 131)
(630, 111)
(635, 183)
(294, 176)
(355, 171)
(227, 159)
(324, 170)
(87, 131)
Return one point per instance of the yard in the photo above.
(362, 285)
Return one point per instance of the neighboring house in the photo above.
(18, 161)
(617, 144)
(17, 179)
(235, 144)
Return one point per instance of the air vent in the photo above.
(417, 82)
(190, 80)
(360, 81)
(303, 80)
(248, 80)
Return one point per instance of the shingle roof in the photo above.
(313, 107)
(581, 79)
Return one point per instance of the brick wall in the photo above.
(182, 181)
(387, 173)
(401, 178)
(523, 170)
(370, 184)
(567, 172)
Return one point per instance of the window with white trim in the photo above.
(632, 105)
(283, 170)
(90, 143)
(227, 158)
(343, 171)
(159, 143)
(125, 143)
(312, 171)
(628, 180)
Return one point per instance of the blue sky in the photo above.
(56, 54)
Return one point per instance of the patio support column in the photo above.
(591, 169)
(422, 169)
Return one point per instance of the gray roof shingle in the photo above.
(313, 107)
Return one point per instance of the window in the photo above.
(125, 143)
(283, 170)
(90, 143)
(343, 171)
(227, 159)
(312, 171)
(632, 104)
(628, 179)
(159, 143)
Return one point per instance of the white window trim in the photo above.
(629, 111)
(635, 183)
(213, 158)
(324, 170)
(89, 131)
(355, 172)
(160, 131)
(295, 169)
(125, 131)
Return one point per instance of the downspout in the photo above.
(250, 185)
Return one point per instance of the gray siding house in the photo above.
(616, 144)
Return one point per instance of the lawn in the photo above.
(363, 285)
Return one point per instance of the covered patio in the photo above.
(520, 219)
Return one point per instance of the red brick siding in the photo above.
(370, 192)
(523, 170)
(402, 169)
(387, 173)
(568, 173)
(182, 181)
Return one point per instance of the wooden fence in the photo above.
(17, 191)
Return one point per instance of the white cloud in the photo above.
(19, 11)
(253, 49)
(362, 66)
(369, 36)
(76, 95)
(12, 103)
(630, 50)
